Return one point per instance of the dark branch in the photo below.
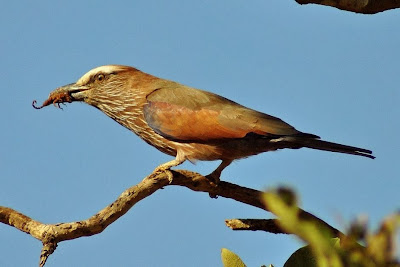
(245, 195)
(357, 6)
(267, 225)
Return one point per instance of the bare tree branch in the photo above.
(267, 225)
(249, 196)
(357, 6)
(52, 234)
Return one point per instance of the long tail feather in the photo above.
(334, 147)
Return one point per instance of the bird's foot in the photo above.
(214, 179)
(166, 170)
(166, 167)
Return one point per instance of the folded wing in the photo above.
(187, 114)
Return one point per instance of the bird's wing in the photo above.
(187, 114)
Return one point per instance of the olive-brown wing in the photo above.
(188, 114)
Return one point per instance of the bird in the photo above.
(185, 122)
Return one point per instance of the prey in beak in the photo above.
(61, 95)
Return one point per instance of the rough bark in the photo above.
(52, 234)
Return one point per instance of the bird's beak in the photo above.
(67, 93)
(75, 92)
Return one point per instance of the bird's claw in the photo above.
(167, 171)
(213, 179)
(170, 175)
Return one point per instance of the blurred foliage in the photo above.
(323, 250)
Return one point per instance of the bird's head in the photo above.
(98, 81)
(101, 85)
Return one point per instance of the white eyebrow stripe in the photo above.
(107, 69)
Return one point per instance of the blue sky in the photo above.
(325, 71)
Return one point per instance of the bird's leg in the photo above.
(165, 167)
(214, 176)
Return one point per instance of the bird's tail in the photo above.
(334, 147)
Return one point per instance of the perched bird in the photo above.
(184, 122)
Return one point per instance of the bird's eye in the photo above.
(100, 77)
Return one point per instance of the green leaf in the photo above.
(230, 259)
(303, 257)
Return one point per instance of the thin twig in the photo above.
(267, 225)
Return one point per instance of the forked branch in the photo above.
(52, 234)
